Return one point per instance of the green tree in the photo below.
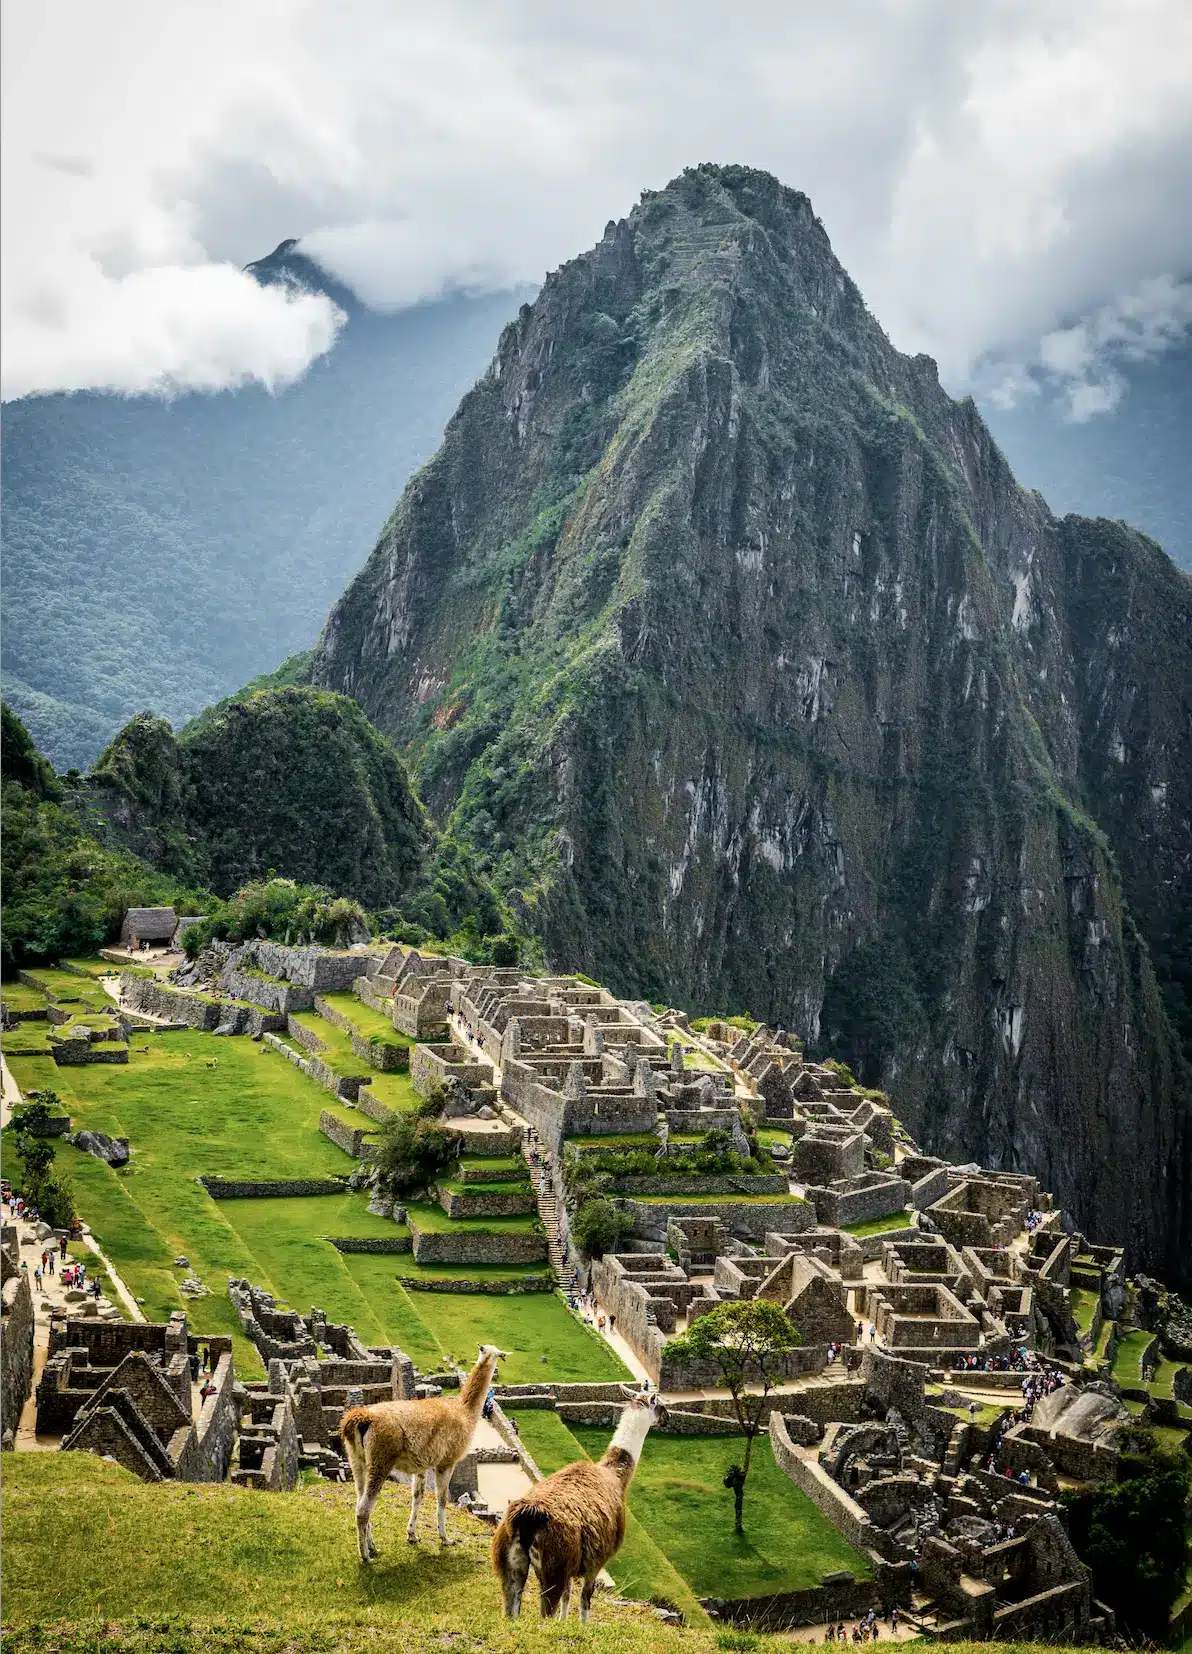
(1132, 1534)
(746, 1341)
(412, 1152)
(598, 1227)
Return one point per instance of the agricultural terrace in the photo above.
(194, 1104)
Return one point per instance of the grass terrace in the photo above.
(879, 1226)
(337, 1050)
(680, 1502)
(1127, 1357)
(18, 996)
(1084, 1307)
(373, 1024)
(27, 1038)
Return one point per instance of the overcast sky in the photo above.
(1007, 180)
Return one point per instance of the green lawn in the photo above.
(373, 1024)
(679, 1497)
(434, 1220)
(215, 1567)
(1084, 1306)
(337, 1050)
(879, 1226)
(26, 1037)
(64, 985)
(640, 1569)
(256, 1116)
(1127, 1357)
(18, 997)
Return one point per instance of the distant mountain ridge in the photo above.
(157, 554)
(729, 642)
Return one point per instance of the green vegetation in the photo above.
(65, 892)
(1127, 1357)
(598, 1227)
(879, 1226)
(412, 1151)
(746, 1342)
(373, 1024)
(1084, 1307)
(1133, 1535)
(161, 1568)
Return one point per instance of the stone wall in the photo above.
(493, 1288)
(488, 1203)
(322, 969)
(695, 1184)
(431, 1066)
(483, 1246)
(140, 993)
(755, 1218)
(16, 1350)
(843, 1512)
(675, 1373)
(231, 1188)
(354, 1140)
(372, 1243)
(209, 1453)
(846, 1598)
(859, 1199)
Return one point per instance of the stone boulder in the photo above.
(112, 1149)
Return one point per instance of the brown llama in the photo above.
(414, 1436)
(573, 1522)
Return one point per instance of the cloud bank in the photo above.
(1004, 179)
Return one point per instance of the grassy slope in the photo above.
(366, 1019)
(879, 1226)
(255, 1115)
(678, 1494)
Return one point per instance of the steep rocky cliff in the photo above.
(728, 639)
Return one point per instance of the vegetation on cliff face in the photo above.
(284, 814)
(727, 641)
(64, 891)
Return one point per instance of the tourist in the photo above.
(62, 1246)
(490, 1402)
(513, 1425)
(1024, 1478)
(830, 1634)
(894, 1619)
(207, 1390)
(194, 1367)
(37, 1276)
(51, 1260)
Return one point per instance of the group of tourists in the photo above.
(867, 1629)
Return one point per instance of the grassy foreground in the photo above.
(96, 1562)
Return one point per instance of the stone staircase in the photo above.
(548, 1211)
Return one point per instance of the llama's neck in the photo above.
(630, 1437)
(475, 1386)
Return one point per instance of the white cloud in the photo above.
(993, 174)
(1081, 363)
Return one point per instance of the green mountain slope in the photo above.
(728, 641)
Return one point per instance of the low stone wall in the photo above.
(483, 1246)
(16, 1350)
(77, 1053)
(324, 969)
(373, 1107)
(433, 1065)
(929, 1188)
(494, 1288)
(675, 1373)
(788, 1217)
(282, 998)
(140, 993)
(695, 1184)
(229, 1188)
(353, 1140)
(471, 1203)
(846, 1599)
(371, 1243)
(844, 1513)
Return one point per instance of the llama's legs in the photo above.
(585, 1601)
(442, 1482)
(553, 1588)
(565, 1605)
(417, 1484)
(516, 1572)
(364, 1509)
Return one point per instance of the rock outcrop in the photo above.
(729, 641)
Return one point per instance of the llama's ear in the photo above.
(630, 1395)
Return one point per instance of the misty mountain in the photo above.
(158, 553)
(730, 645)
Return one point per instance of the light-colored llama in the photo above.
(414, 1436)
